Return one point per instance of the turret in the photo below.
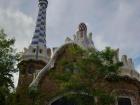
(35, 57)
(81, 37)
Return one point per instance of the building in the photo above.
(37, 60)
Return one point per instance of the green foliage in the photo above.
(8, 59)
(75, 49)
(91, 68)
(33, 93)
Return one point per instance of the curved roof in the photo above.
(50, 64)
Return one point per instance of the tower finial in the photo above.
(43, 2)
(82, 27)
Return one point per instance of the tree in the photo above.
(8, 59)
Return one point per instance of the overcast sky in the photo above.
(114, 23)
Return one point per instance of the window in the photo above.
(40, 51)
(34, 50)
(124, 101)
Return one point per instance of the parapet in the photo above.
(127, 62)
(128, 68)
(35, 53)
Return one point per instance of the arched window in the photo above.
(124, 101)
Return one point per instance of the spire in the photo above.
(37, 50)
(39, 37)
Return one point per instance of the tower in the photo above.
(35, 57)
(38, 44)
(39, 38)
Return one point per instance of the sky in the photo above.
(114, 23)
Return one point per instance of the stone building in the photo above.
(37, 60)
